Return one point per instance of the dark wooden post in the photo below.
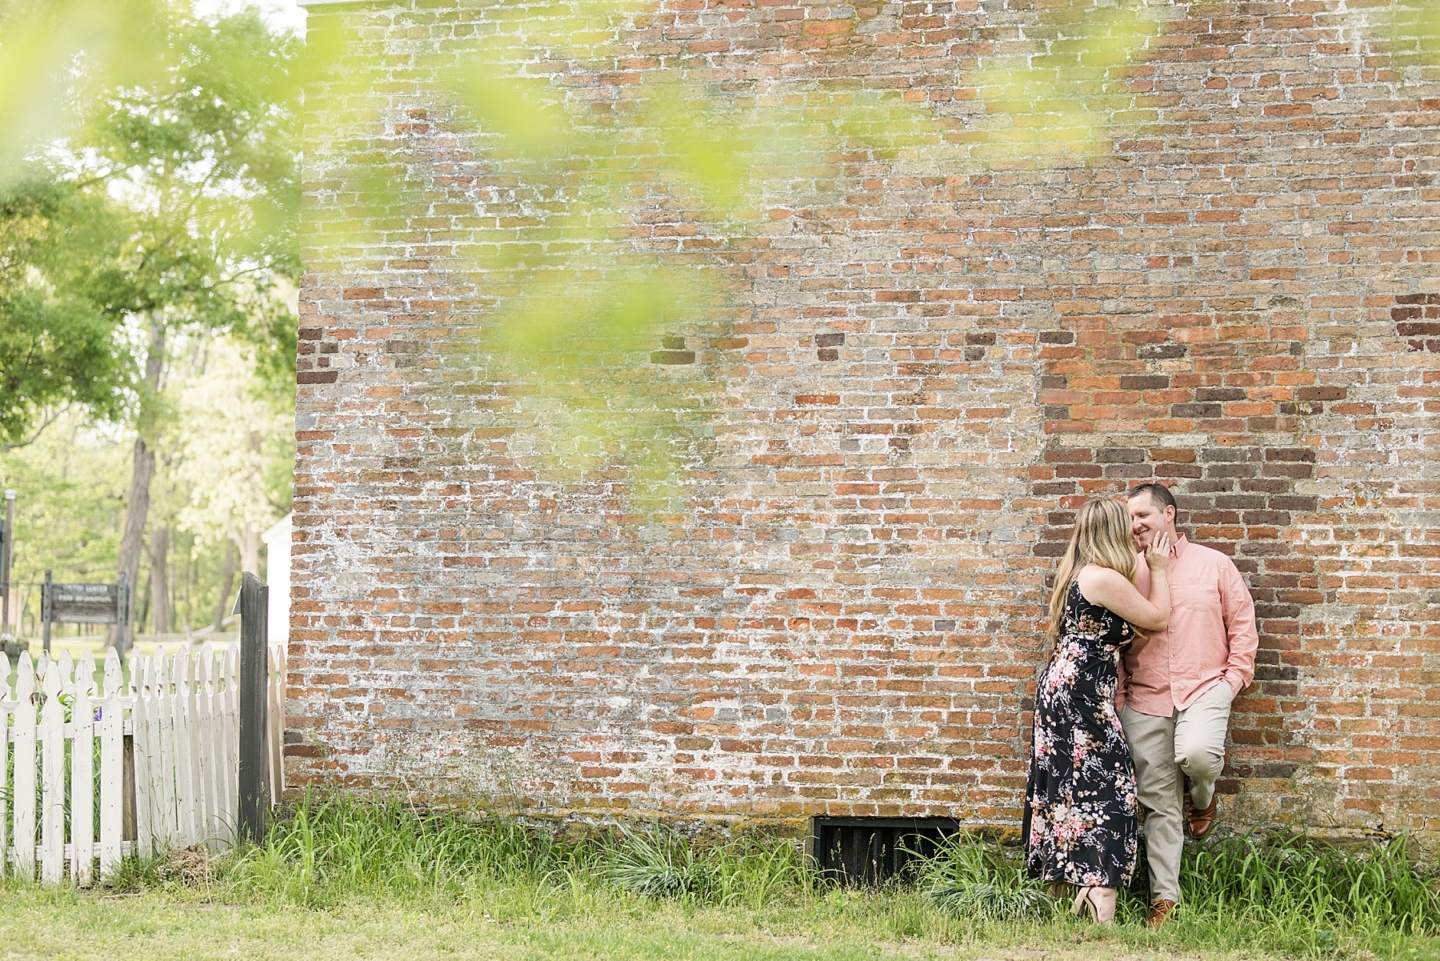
(254, 641)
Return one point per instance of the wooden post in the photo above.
(254, 607)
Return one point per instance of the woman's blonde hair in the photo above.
(1101, 536)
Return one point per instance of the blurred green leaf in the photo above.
(57, 53)
(1057, 100)
(571, 317)
(521, 110)
(710, 153)
(1414, 32)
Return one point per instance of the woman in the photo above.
(1080, 806)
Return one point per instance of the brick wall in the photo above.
(915, 383)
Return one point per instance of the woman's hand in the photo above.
(1158, 555)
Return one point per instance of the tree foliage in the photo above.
(172, 198)
(60, 339)
(207, 155)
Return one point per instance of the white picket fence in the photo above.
(167, 745)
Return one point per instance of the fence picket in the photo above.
(196, 724)
(223, 822)
(184, 769)
(112, 776)
(5, 768)
(156, 732)
(275, 718)
(199, 736)
(142, 753)
(209, 761)
(230, 732)
(67, 674)
(52, 778)
(169, 828)
(82, 775)
(23, 734)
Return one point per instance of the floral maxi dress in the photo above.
(1080, 805)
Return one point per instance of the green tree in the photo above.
(60, 343)
(203, 156)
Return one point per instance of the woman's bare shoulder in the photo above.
(1099, 574)
(1095, 581)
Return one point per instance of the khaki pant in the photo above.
(1165, 749)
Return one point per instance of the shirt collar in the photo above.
(1180, 544)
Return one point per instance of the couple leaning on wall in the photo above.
(1154, 636)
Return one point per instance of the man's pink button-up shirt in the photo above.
(1211, 637)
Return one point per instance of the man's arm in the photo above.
(1238, 610)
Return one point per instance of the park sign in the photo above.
(86, 604)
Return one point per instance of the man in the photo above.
(1176, 689)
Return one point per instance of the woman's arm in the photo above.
(1113, 590)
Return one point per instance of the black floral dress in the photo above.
(1080, 805)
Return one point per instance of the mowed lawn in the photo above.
(839, 926)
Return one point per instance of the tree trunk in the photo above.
(160, 579)
(226, 583)
(137, 505)
(142, 616)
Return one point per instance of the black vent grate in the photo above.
(872, 850)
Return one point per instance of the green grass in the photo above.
(341, 879)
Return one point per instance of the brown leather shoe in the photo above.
(1201, 820)
(1159, 911)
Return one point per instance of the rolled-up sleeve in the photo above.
(1238, 610)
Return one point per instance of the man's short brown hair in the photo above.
(1160, 495)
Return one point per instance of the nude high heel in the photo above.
(1100, 902)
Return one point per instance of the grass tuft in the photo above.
(136, 874)
(659, 863)
(971, 879)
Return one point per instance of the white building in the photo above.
(277, 576)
